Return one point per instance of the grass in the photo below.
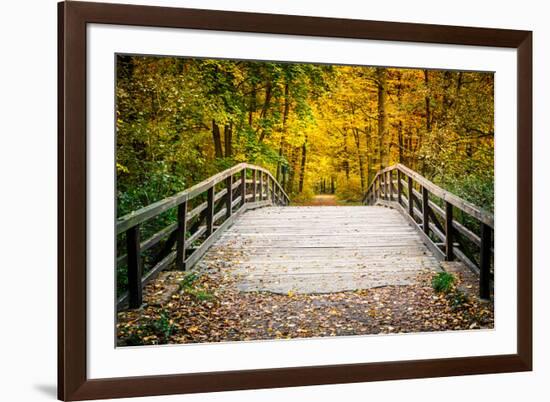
(189, 285)
(443, 282)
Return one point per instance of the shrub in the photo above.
(443, 282)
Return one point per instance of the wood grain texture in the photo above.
(323, 249)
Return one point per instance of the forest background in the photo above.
(317, 128)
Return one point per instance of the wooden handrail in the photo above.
(220, 206)
(424, 213)
(460, 203)
(150, 211)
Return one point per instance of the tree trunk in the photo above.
(383, 138)
(427, 100)
(360, 159)
(400, 140)
(265, 108)
(371, 155)
(217, 140)
(292, 174)
(252, 106)
(400, 143)
(228, 138)
(283, 132)
(346, 156)
(302, 167)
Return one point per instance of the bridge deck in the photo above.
(322, 249)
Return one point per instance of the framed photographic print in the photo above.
(253, 200)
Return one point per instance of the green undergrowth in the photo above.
(191, 285)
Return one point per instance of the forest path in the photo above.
(312, 249)
(324, 200)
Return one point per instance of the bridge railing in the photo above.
(227, 194)
(433, 210)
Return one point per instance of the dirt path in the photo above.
(212, 309)
(323, 200)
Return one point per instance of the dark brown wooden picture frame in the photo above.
(73, 382)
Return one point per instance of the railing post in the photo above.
(210, 212)
(134, 267)
(229, 196)
(411, 195)
(254, 185)
(425, 211)
(449, 231)
(390, 184)
(243, 186)
(485, 263)
(399, 186)
(180, 241)
(261, 185)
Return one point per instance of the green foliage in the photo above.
(162, 326)
(302, 198)
(188, 281)
(457, 299)
(158, 183)
(181, 120)
(443, 282)
(201, 294)
(190, 285)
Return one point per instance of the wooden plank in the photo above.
(467, 233)
(425, 211)
(468, 207)
(437, 233)
(151, 275)
(196, 211)
(469, 263)
(157, 269)
(268, 173)
(151, 241)
(411, 196)
(425, 239)
(220, 214)
(485, 263)
(320, 249)
(236, 185)
(236, 201)
(150, 211)
(390, 185)
(134, 267)
(180, 240)
(229, 197)
(261, 186)
(449, 235)
(436, 208)
(200, 231)
(399, 187)
(243, 186)
(254, 189)
(210, 212)
(199, 252)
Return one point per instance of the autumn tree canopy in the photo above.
(180, 120)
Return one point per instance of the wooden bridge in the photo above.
(406, 226)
